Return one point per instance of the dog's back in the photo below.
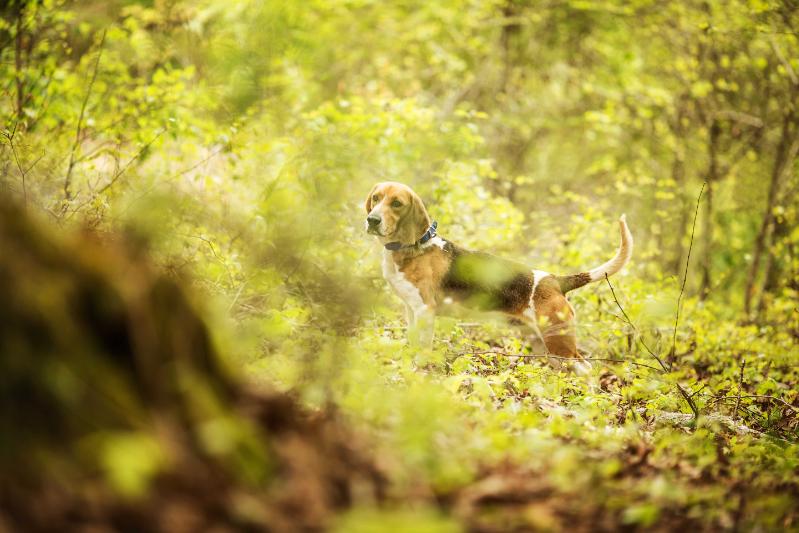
(486, 282)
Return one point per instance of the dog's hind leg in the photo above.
(531, 332)
(554, 318)
(561, 341)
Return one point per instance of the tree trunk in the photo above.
(712, 178)
(786, 150)
(678, 175)
(18, 77)
(772, 274)
(509, 28)
(775, 275)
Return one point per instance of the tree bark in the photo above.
(707, 231)
(774, 269)
(786, 146)
(678, 175)
(509, 28)
(18, 77)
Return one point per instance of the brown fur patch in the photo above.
(426, 272)
(555, 318)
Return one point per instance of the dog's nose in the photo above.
(373, 220)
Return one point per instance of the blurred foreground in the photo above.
(116, 416)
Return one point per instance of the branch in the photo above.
(548, 356)
(760, 396)
(116, 175)
(79, 127)
(138, 154)
(689, 400)
(785, 63)
(23, 172)
(213, 154)
(666, 417)
(740, 116)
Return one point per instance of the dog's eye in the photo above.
(396, 203)
(374, 197)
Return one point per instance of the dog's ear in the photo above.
(368, 204)
(419, 213)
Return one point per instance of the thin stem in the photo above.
(630, 322)
(685, 275)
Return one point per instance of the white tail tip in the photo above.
(622, 255)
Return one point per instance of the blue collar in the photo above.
(429, 234)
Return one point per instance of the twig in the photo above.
(202, 162)
(560, 357)
(118, 174)
(23, 172)
(686, 396)
(218, 257)
(79, 127)
(740, 386)
(630, 322)
(689, 400)
(685, 275)
(148, 190)
(19, 165)
(130, 162)
(785, 63)
(236, 298)
(761, 396)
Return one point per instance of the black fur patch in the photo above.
(573, 281)
(484, 281)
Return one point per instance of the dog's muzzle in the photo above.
(373, 224)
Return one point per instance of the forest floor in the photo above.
(490, 434)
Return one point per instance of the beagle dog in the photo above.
(425, 270)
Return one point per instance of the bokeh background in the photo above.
(235, 142)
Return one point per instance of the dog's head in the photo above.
(395, 213)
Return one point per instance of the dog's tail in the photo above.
(625, 251)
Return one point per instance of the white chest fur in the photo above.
(406, 290)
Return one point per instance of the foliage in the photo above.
(239, 140)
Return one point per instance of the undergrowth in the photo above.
(619, 443)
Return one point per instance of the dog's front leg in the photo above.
(412, 331)
(420, 326)
(425, 326)
(409, 318)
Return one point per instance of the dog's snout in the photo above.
(373, 220)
